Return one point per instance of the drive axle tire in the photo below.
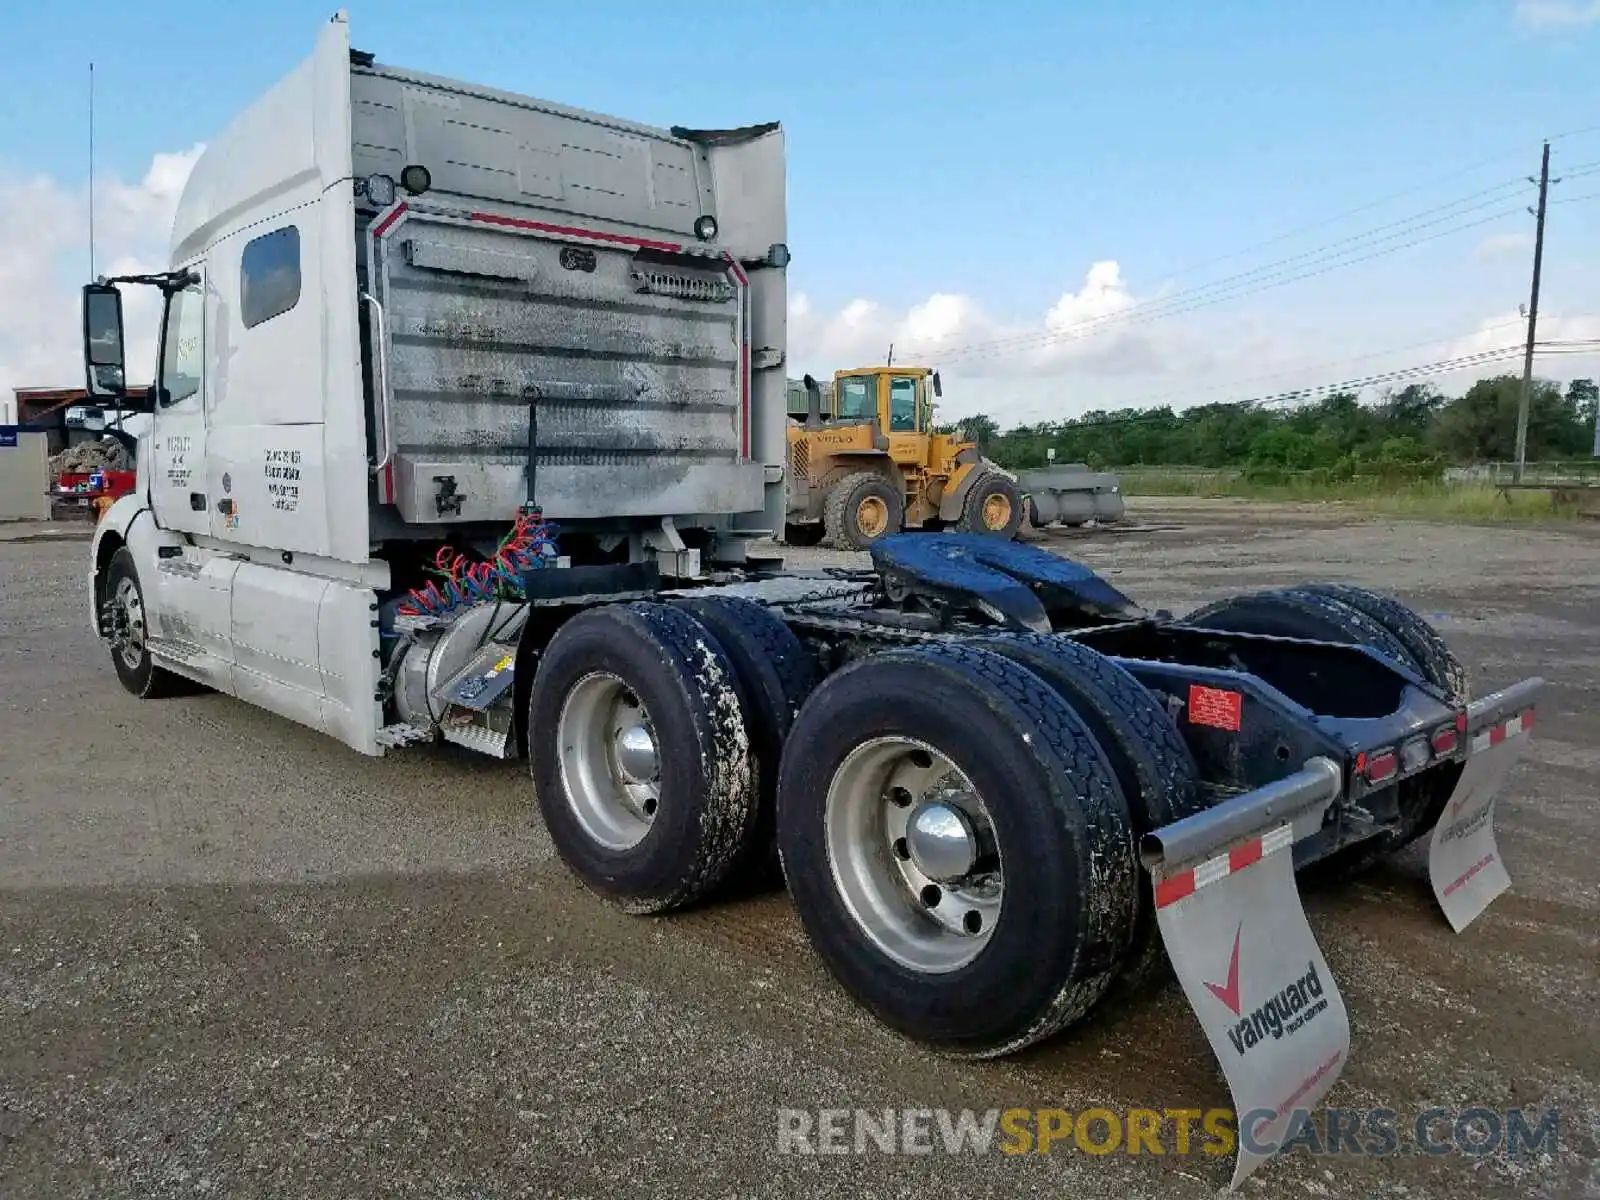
(773, 674)
(640, 756)
(957, 846)
(862, 509)
(1152, 762)
(1330, 613)
(129, 637)
(1296, 613)
(1437, 661)
(992, 505)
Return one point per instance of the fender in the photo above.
(970, 467)
(128, 522)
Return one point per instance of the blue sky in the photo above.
(990, 154)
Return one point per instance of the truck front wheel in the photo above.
(129, 636)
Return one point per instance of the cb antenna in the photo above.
(91, 170)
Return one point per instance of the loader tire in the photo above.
(1291, 612)
(992, 505)
(130, 644)
(1152, 762)
(773, 674)
(862, 509)
(1050, 819)
(652, 820)
(1437, 661)
(807, 534)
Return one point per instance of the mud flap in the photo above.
(1464, 862)
(1230, 915)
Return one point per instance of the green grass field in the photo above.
(1426, 500)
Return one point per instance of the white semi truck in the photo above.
(467, 408)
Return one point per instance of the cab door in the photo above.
(908, 441)
(178, 492)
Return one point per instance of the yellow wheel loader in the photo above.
(868, 464)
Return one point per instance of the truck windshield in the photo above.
(856, 401)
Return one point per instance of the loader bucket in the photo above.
(1464, 862)
(1230, 916)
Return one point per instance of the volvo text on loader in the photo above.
(468, 406)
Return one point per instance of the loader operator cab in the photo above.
(898, 398)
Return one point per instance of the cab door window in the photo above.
(902, 404)
(183, 348)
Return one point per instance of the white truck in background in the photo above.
(412, 325)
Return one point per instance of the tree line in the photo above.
(1411, 432)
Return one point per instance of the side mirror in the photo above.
(938, 388)
(103, 357)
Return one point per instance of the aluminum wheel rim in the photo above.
(127, 623)
(610, 762)
(930, 926)
(872, 516)
(996, 510)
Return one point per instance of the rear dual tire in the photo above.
(906, 758)
(665, 725)
(1339, 612)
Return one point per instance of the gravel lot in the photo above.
(237, 959)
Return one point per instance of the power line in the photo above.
(1337, 217)
(1310, 367)
(1177, 305)
(1229, 286)
(1300, 396)
(1507, 353)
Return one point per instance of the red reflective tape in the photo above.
(1243, 855)
(738, 271)
(1216, 707)
(620, 239)
(1527, 720)
(387, 223)
(1497, 735)
(388, 482)
(1174, 888)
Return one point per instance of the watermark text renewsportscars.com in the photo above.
(1474, 1131)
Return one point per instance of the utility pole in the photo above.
(1533, 317)
(890, 361)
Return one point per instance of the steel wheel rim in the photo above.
(127, 623)
(610, 761)
(872, 516)
(927, 925)
(996, 510)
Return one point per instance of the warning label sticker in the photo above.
(1216, 707)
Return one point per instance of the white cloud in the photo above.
(44, 259)
(1558, 14)
(1504, 245)
(1090, 348)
